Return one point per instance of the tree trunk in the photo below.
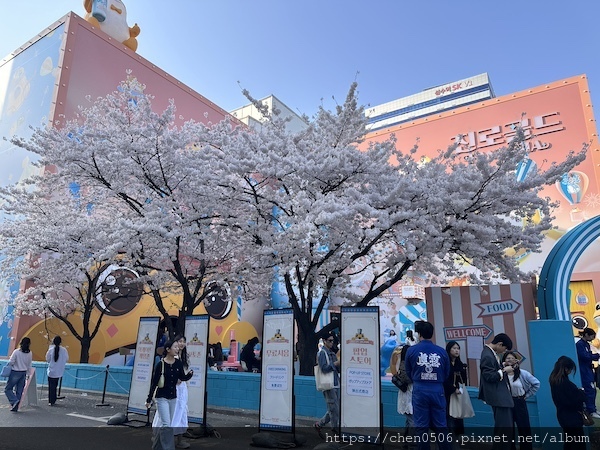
(307, 351)
(84, 355)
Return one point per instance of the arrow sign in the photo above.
(461, 333)
(500, 307)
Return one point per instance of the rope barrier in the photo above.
(81, 378)
(117, 383)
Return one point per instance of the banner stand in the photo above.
(143, 368)
(277, 399)
(361, 409)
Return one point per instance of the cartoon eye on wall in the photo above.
(117, 293)
(579, 321)
(218, 302)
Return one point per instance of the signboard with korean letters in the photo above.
(360, 392)
(143, 365)
(277, 380)
(196, 333)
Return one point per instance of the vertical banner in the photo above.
(277, 380)
(196, 335)
(143, 365)
(360, 392)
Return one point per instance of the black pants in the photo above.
(52, 387)
(521, 419)
(503, 426)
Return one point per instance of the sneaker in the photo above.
(15, 407)
(595, 415)
(317, 426)
(183, 444)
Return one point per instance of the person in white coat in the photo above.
(56, 357)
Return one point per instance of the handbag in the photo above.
(6, 371)
(460, 405)
(399, 384)
(587, 418)
(324, 381)
(161, 380)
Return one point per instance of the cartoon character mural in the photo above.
(110, 16)
(585, 310)
(123, 302)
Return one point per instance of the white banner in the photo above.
(360, 392)
(196, 334)
(277, 380)
(143, 365)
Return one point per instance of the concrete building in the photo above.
(250, 115)
(430, 101)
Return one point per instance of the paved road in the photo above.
(76, 422)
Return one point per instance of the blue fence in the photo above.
(241, 390)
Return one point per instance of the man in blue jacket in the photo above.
(428, 366)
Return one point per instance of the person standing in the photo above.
(522, 386)
(172, 371)
(585, 358)
(428, 366)
(20, 366)
(568, 399)
(494, 388)
(57, 358)
(180, 415)
(328, 362)
(453, 384)
(404, 405)
(248, 357)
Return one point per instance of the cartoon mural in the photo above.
(119, 325)
(585, 311)
(27, 85)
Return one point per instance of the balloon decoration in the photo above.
(573, 186)
(524, 168)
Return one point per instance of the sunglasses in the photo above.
(329, 340)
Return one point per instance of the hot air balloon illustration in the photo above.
(524, 168)
(573, 186)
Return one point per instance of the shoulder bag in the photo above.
(6, 371)
(588, 420)
(161, 380)
(399, 384)
(324, 381)
(460, 406)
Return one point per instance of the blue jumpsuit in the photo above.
(585, 357)
(428, 366)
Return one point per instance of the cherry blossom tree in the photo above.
(316, 210)
(58, 245)
(169, 220)
(327, 211)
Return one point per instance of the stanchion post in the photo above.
(104, 388)
(60, 397)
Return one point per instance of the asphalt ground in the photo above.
(79, 421)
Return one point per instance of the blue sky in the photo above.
(305, 52)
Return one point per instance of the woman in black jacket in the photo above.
(458, 377)
(569, 400)
(166, 396)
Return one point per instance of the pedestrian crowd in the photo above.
(432, 392)
(431, 383)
